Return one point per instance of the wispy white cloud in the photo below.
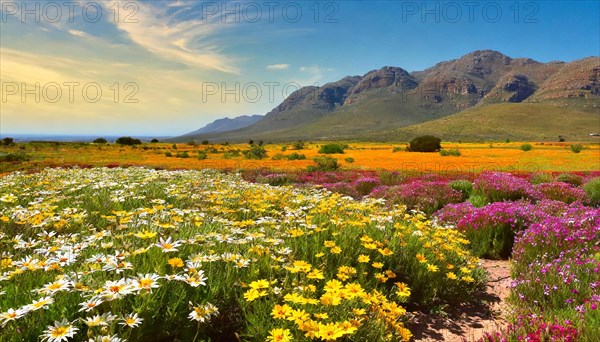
(161, 32)
(278, 66)
(78, 33)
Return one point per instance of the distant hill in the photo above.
(482, 83)
(227, 124)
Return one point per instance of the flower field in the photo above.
(280, 250)
(475, 157)
(136, 254)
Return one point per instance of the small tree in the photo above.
(8, 141)
(100, 141)
(128, 141)
(204, 142)
(154, 141)
(332, 149)
(255, 152)
(425, 143)
(299, 145)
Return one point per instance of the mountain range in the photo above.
(483, 95)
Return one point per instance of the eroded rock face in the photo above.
(594, 85)
(385, 77)
(521, 88)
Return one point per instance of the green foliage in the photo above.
(576, 148)
(451, 152)
(192, 143)
(478, 201)
(154, 141)
(396, 149)
(349, 160)
(296, 156)
(526, 147)
(204, 142)
(128, 141)
(174, 146)
(8, 141)
(231, 154)
(592, 189)
(390, 178)
(183, 154)
(168, 154)
(299, 145)
(541, 177)
(255, 152)
(283, 148)
(100, 141)
(425, 143)
(332, 149)
(464, 186)
(14, 157)
(570, 178)
(202, 155)
(324, 163)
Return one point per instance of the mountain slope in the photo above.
(527, 121)
(227, 124)
(391, 98)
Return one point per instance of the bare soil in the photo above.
(468, 322)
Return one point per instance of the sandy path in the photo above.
(469, 322)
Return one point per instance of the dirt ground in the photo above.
(469, 322)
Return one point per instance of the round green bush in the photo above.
(425, 143)
(592, 189)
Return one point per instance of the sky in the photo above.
(166, 68)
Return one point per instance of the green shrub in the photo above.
(8, 141)
(283, 148)
(168, 154)
(14, 157)
(570, 178)
(100, 141)
(396, 149)
(279, 156)
(202, 155)
(592, 189)
(231, 154)
(296, 156)
(255, 152)
(275, 179)
(541, 177)
(349, 160)
(451, 152)
(332, 149)
(183, 154)
(128, 141)
(324, 163)
(464, 186)
(526, 147)
(425, 143)
(576, 148)
(192, 143)
(478, 201)
(299, 145)
(154, 141)
(204, 142)
(390, 178)
(174, 146)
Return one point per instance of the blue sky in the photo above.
(169, 67)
